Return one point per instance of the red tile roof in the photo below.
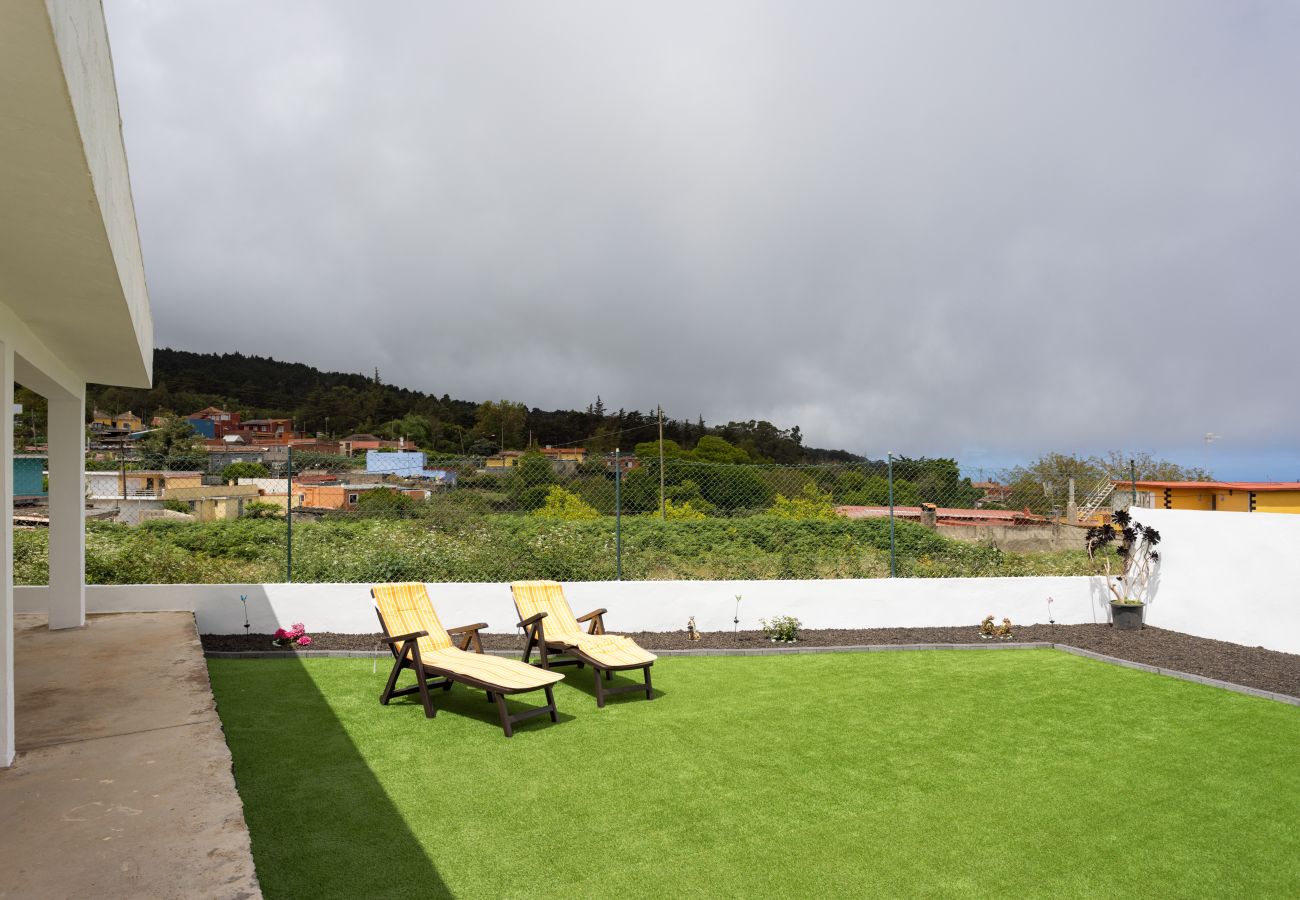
(945, 516)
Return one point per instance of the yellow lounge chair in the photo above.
(549, 623)
(407, 618)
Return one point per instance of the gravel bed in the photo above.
(1254, 667)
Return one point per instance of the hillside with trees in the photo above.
(338, 404)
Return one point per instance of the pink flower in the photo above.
(281, 634)
(304, 641)
(299, 627)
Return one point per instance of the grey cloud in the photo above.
(928, 227)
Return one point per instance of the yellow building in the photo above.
(1223, 496)
(209, 503)
(127, 421)
(563, 458)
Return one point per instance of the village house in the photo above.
(563, 459)
(107, 425)
(1222, 496)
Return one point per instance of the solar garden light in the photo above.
(243, 598)
(735, 621)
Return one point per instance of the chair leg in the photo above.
(429, 711)
(505, 716)
(609, 675)
(550, 699)
(600, 689)
(491, 696)
(649, 690)
(387, 693)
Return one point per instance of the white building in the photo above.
(73, 303)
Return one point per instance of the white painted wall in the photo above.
(1228, 575)
(633, 605)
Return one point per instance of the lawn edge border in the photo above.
(848, 648)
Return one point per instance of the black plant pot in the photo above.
(1126, 616)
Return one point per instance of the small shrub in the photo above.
(260, 510)
(683, 511)
(811, 503)
(179, 506)
(566, 506)
(781, 629)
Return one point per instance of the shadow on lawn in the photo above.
(474, 704)
(321, 823)
(584, 680)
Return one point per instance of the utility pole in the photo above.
(618, 516)
(288, 510)
(663, 509)
(893, 568)
(1133, 480)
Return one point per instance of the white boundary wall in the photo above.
(633, 605)
(1228, 575)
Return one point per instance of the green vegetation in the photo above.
(566, 506)
(338, 404)
(934, 774)
(235, 471)
(454, 541)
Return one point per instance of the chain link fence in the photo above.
(273, 514)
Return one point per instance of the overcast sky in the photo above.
(979, 229)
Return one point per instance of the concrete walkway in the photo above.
(122, 786)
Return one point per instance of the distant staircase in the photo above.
(1100, 494)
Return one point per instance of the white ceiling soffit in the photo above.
(70, 264)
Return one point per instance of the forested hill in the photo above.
(338, 404)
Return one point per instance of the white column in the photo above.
(67, 440)
(7, 555)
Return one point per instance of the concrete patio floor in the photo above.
(122, 786)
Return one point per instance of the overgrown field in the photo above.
(510, 547)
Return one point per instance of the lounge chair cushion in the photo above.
(406, 608)
(613, 650)
(560, 626)
(532, 597)
(508, 674)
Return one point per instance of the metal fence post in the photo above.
(288, 515)
(893, 566)
(1133, 480)
(618, 516)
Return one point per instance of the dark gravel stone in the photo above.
(1254, 667)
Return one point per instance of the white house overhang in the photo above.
(71, 276)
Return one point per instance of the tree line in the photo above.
(337, 404)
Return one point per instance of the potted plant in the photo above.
(1134, 544)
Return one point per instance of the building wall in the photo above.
(1277, 501)
(29, 477)
(1186, 498)
(323, 496)
(1230, 501)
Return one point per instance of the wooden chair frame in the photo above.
(407, 656)
(574, 655)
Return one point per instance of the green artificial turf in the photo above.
(931, 773)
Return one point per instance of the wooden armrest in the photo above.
(531, 620)
(398, 638)
(467, 629)
(597, 619)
